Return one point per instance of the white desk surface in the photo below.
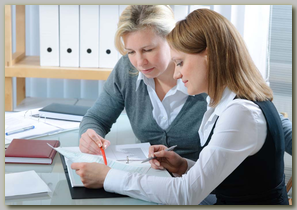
(54, 177)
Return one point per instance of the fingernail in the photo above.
(157, 163)
(152, 155)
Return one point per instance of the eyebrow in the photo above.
(141, 47)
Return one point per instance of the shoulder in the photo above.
(124, 65)
(244, 113)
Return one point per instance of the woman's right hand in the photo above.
(90, 142)
(167, 159)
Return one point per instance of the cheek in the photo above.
(162, 60)
(133, 61)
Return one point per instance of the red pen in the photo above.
(104, 156)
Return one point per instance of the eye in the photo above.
(131, 52)
(179, 64)
(148, 50)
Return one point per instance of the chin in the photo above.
(193, 92)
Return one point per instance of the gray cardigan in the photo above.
(120, 91)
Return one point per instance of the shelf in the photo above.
(30, 67)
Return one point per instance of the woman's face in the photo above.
(148, 52)
(192, 70)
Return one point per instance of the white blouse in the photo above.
(165, 111)
(240, 132)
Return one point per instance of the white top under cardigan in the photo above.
(165, 111)
(240, 132)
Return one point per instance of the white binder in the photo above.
(49, 35)
(180, 12)
(108, 55)
(89, 35)
(69, 35)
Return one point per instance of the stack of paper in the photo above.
(42, 126)
(24, 184)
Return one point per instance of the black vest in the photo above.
(259, 179)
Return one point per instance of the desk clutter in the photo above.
(31, 151)
(55, 118)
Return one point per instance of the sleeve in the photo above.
(287, 127)
(216, 161)
(108, 106)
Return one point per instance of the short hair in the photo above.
(229, 62)
(138, 17)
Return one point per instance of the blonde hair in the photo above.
(229, 62)
(138, 17)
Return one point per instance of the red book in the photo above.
(31, 151)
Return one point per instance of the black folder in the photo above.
(84, 193)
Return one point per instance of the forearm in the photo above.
(287, 127)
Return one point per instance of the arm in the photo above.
(98, 120)
(287, 127)
(216, 161)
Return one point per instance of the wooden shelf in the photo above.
(20, 66)
(29, 66)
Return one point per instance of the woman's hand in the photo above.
(92, 175)
(167, 159)
(90, 142)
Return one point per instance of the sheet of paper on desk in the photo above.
(73, 154)
(41, 128)
(135, 152)
(24, 184)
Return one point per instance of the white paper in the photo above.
(73, 155)
(22, 184)
(132, 151)
(24, 117)
(42, 126)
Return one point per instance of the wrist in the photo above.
(183, 167)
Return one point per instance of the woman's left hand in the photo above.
(92, 175)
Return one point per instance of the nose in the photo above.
(177, 74)
(141, 60)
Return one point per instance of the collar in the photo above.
(150, 82)
(147, 81)
(227, 97)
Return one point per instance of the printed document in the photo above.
(73, 155)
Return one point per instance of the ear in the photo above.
(205, 52)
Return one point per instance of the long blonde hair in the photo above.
(137, 17)
(229, 62)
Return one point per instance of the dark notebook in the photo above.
(84, 193)
(63, 112)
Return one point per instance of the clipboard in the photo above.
(86, 193)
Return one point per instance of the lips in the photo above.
(185, 82)
(146, 71)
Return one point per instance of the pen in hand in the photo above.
(168, 149)
(103, 155)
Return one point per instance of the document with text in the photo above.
(74, 155)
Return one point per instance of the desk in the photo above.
(54, 177)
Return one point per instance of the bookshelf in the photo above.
(21, 66)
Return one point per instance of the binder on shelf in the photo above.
(69, 35)
(49, 35)
(108, 55)
(89, 36)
